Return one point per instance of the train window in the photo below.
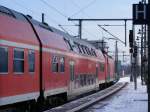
(101, 66)
(62, 64)
(83, 49)
(68, 44)
(55, 64)
(31, 60)
(88, 51)
(80, 51)
(18, 60)
(3, 60)
(93, 52)
(78, 46)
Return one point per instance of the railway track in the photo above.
(87, 101)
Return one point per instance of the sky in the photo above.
(58, 11)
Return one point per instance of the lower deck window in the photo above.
(19, 60)
(3, 60)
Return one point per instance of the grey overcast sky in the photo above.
(58, 11)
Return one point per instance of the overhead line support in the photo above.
(111, 19)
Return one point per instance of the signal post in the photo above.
(141, 17)
(148, 82)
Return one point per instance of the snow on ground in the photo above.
(126, 100)
(124, 79)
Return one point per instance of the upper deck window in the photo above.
(68, 44)
(18, 60)
(87, 50)
(93, 52)
(31, 61)
(79, 47)
(83, 49)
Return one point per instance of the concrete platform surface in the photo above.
(126, 100)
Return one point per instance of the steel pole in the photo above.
(43, 17)
(148, 82)
(116, 59)
(135, 69)
(131, 76)
(145, 51)
(125, 32)
(80, 29)
(142, 53)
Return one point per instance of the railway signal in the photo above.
(131, 38)
(135, 51)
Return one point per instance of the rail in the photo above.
(87, 101)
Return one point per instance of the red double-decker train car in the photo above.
(39, 62)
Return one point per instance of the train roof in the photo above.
(20, 16)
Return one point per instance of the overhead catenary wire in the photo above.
(115, 37)
(76, 5)
(62, 14)
(56, 10)
(66, 30)
(89, 4)
(26, 8)
(63, 29)
(52, 7)
(38, 14)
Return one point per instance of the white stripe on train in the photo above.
(29, 96)
(18, 98)
(34, 47)
(19, 45)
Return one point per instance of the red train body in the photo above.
(36, 59)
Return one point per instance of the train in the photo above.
(41, 63)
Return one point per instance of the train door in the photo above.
(72, 76)
(96, 72)
(107, 70)
(108, 78)
(96, 82)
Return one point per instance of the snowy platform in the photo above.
(126, 100)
